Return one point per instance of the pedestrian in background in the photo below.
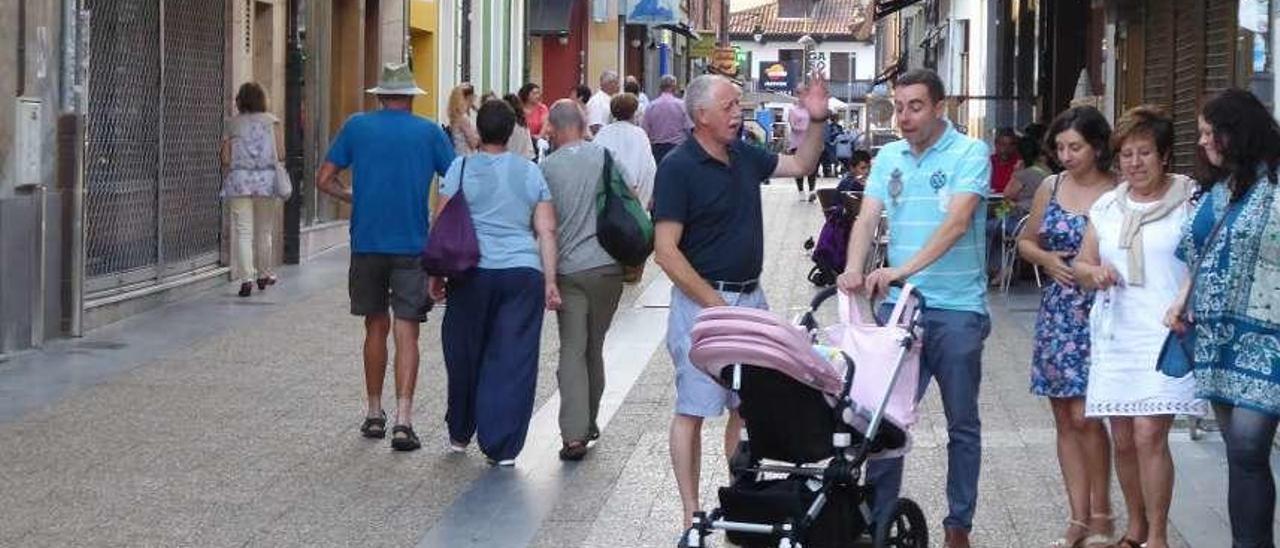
(932, 185)
(857, 167)
(1005, 160)
(535, 112)
(630, 147)
(1017, 200)
(709, 239)
(1081, 139)
(582, 95)
(666, 120)
(798, 120)
(1234, 310)
(521, 142)
(462, 126)
(598, 105)
(251, 150)
(393, 155)
(493, 324)
(1128, 257)
(590, 280)
(632, 85)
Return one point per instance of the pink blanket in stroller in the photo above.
(725, 336)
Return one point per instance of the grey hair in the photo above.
(668, 83)
(698, 94)
(608, 77)
(566, 114)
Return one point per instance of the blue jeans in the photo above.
(1251, 491)
(952, 354)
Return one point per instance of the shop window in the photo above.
(1254, 59)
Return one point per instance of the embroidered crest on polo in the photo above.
(895, 185)
(938, 182)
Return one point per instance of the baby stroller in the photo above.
(830, 251)
(813, 416)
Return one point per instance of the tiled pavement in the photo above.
(219, 423)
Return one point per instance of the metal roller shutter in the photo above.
(153, 128)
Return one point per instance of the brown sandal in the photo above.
(574, 451)
(1126, 542)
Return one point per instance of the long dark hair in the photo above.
(1246, 134)
(525, 91)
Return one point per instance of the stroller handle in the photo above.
(825, 294)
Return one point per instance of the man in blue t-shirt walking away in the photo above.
(709, 239)
(392, 154)
(934, 185)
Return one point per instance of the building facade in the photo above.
(109, 199)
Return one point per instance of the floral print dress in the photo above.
(1060, 358)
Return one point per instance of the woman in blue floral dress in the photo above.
(1080, 140)
(1233, 243)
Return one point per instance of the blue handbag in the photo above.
(1177, 354)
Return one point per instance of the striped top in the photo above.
(916, 192)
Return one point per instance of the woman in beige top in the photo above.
(462, 127)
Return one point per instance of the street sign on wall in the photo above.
(652, 12)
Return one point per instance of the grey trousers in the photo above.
(588, 302)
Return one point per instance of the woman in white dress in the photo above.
(1128, 256)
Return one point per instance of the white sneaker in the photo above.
(455, 447)
(504, 463)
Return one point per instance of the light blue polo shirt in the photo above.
(916, 192)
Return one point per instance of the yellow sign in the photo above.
(704, 48)
(725, 61)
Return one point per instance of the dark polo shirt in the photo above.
(719, 206)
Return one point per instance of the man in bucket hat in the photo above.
(392, 154)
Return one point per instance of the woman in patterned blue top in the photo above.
(1236, 303)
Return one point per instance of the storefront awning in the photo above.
(549, 17)
(682, 29)
(885, 8)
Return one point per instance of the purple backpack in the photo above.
(833, 242)
(452, 249)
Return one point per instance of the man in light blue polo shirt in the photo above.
(933, 185)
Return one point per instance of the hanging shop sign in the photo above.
(778, 76)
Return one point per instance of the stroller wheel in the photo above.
(905, 528)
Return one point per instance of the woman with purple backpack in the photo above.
(493, 324)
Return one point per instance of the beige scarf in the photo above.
(1180, 189)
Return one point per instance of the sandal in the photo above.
(374, 427)
(403, 438)
(1081, 542)
(1126, 542)
(574, 451)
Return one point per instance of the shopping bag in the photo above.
(623, 227)
(452, 249)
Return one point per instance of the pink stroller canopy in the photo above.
(727, 335)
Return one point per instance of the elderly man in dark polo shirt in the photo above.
(709, 239)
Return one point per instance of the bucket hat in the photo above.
(396, 79)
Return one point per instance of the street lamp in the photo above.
(757, 34)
